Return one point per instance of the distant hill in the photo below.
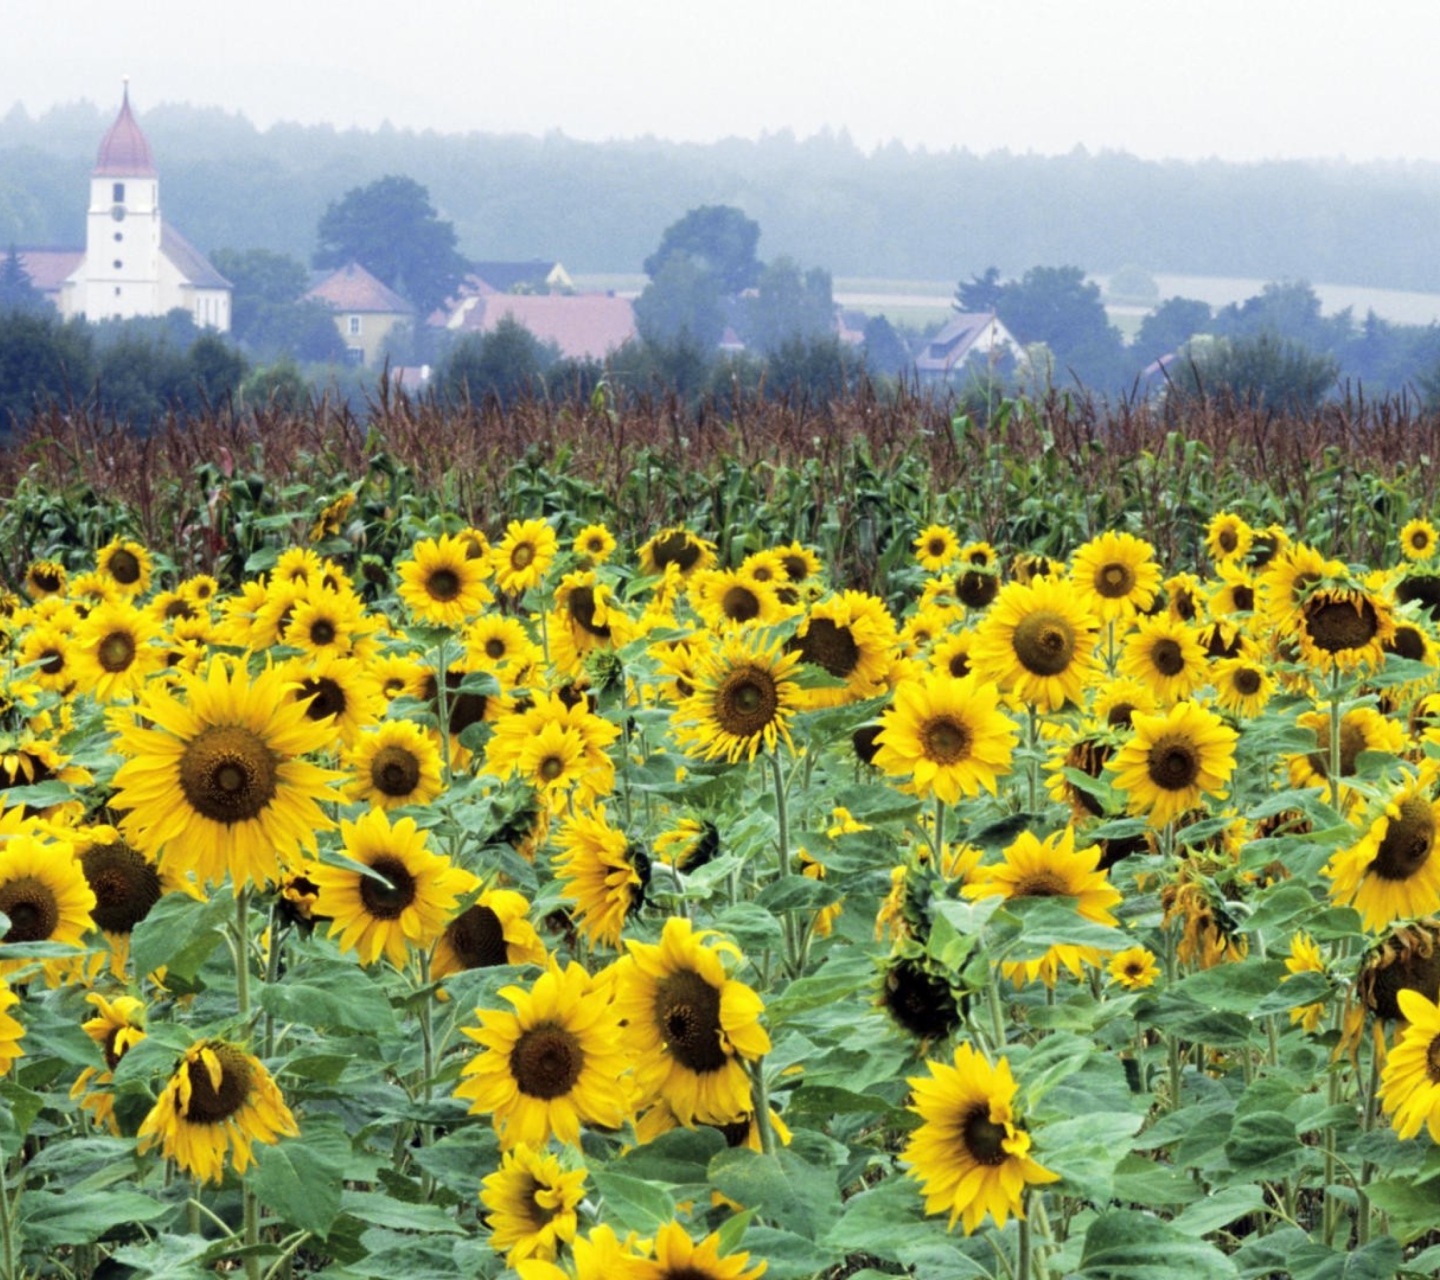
(896, 213)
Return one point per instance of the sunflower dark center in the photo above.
(976, 590)
(583, 606)
(1168, 657)
(546, 1061)
(1247, 681)
(116, 651)
(936, 547)
(865, 742)
(829, 645)
(1432, 1060)
(380, 901)
(1229, 540)
(1185, 604)
(1115, 580)
(494, 648)
(1244, 598)
(1339, 625)
(687, 1015)
(124, 567)
(443, 585)
(746, 701)
(125, 886)
(678, 549)
(1119, 716)
(46, 580)
(959, 665)
(795, 568)
(920, 1001)
(984, 1139)
(228, 774)
(322, 631)
(478, 938)
(113, 1053)
(33, 910)
(740, 604)
(327, 698)
(1044, 642)
(522, 555)
(1173, 764)
(211, 1105)
(179, 609)
(1407, 643)
(53, 663)
(551, 768)
(1424, 587)
(1414, 968)
(465, 708)
(1408, 841)
(395, 771)
(945, 741)
(1043, 884)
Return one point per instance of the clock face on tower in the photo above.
(118, 213)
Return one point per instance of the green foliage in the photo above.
(1266, 371)
(506, 364)
(719, 239)
(680, 307)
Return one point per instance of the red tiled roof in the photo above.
(47, 268)
(124, 153)
(352, 288)
(580, 324)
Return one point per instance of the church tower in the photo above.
(122, 228)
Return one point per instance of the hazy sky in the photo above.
(1238, 79)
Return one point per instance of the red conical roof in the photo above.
(124, 153)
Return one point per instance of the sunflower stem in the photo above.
(762, 1107)
(1367, 1169)
(1172, 1042)
(252, 1232)
(1032, 744)
(938, 848)
(242, 953)
(782, 820)
(997, 1006)
(442, 702)
(272, 972)
(7, 1221)
(1022, 1260)
(1334, 744)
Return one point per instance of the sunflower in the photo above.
(920, 1000)
(531, 1201)
(924, 627)
(745, 693)
(494, 642)
(1406, 958)
(114, 651)
(45, 578)
(338, 692)
(970, 1154)
(1417, 540)
(406, 900)
(1344, 628)
(935, 547)
(1390, 873)
(1115, 575)
(1050, 868)
(679, 547)
(802, 566)
(1236, 595)
(117, 1027)
(217, 784)
(594, 544)
(1166, 655)
(948, 735)
(520, 559)
(550, 1066)
(1305, 957)
(555, 743)
(1083, 749)
(442, 584)
(1173, 759)
(1133, 968)
(494, 930)
(327, 624)
(1410, 1082)
(1037, 642)
(1227, 537)
(11, 1031)
(219, 1101)
(586, 618)
(332, 517)
(126, 563)
(1184, 597)
(1117, 701)
(727, 598)
(603, 872)
(1361, 729)
(51, 649)
(852, 637)
(1243, 686)
(677, 1257)
(44, 895)
(1281, 590)
(1422, 586)
(689, 1028)
(950, 655)
(126, 885)
(396, 763)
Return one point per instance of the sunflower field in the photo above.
(576, 844)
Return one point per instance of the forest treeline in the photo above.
(891, 212)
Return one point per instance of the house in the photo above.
(533, 276)
(366, 311)
(581, 325)
(965, 336)
(850, 326)
(134, 262)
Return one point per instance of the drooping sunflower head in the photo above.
(675, 546)
(1417, 540)
(1116, 575)
(852, 637)
(920, 1000)
(1344, 628)
(1391, 872)
(1405, 958)
(45, 578)
(689, 844)
(604, 873)
(126, 883)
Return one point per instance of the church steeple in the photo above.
(124, 152)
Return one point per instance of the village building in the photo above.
(967, 336)
(366, 311)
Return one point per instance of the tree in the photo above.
(1266, 370)
(681, 306)
(17, 292)
(261, 279)
(885, 352)
(1059, 307)
(790, 306)
(980, 294)
(215, 372)
(508, 363)
(1292, 309)
(1133, 284)
(717, 238)
(1172, 324)
(392, 230)
(42, 361)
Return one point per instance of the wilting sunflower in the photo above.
(1305, 957)
(332, 517)
(219, 1101)
(394, 764)
(689, 844)
(852, 637)
(44, 894)
(553, 1064)
(1165, 654)
(1344, 628)
(970, 1154)
(745, 694)
(217, 784)
(918, 995)
(1173, 759)
(948, 736)
(1390, 873)
(677, 1257)
(442, 584)
(1133, 968)
(405, 904)
(688, 1026)
(678, 546)
(1406, 958)
(1116, 575)
(117, 1027)
(494, 930)
(1227, 537)
(1243, 686)
(115, 649)
(530, 1201)
(1417, 540)
(586, 618)
(1037, 643)
(126, 563)
(1410, 1082)
(935, 547)
(603, 872)
(1050, 868)
(520, 559)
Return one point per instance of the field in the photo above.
(824, 841)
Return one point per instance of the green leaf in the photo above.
(796, 893)
(1086, 1150)
(1378, 1260)
(330, 994)
(460, 1158)
(179, 934)
(1264, 1144)
(1413, 1210)
(1026, 928)
(681, 1157)
(797, 1196)
(633, 1203)
(71, 1217)
(380, 1210)
(1124, 1244)
(1306, 987)
(1220, 1209)
(299, 1179)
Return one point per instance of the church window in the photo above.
(117, 290)
(119, 236)
(118, 193)
(118, 264)
(354, 326)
